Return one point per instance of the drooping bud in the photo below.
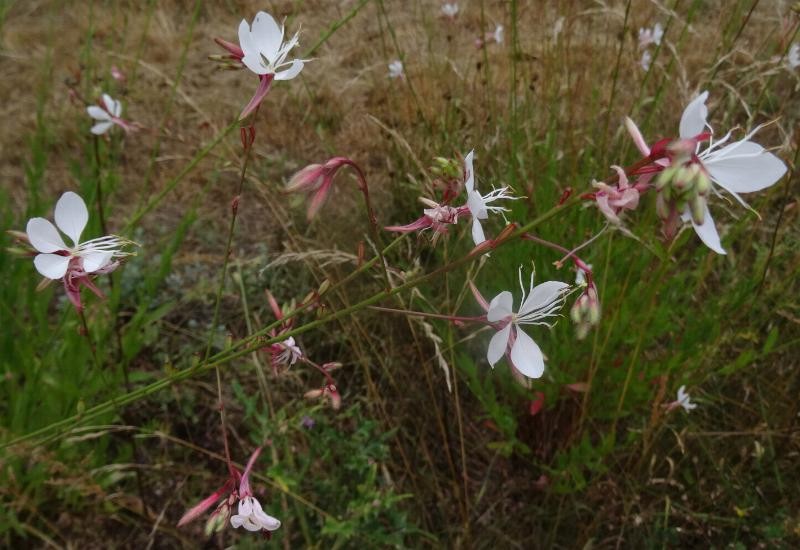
(697, 205)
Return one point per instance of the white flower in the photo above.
(55, 256)
(264, 49)
(580, 275)
(290, 352)
(684, 401)
(498, 34)
(450, 9)
(107, 116)
(543, 302)
(478, 204)
(740, 167)
(396, 69)
(651, 36)
(252, 517)
(793, 57)
(647, 58)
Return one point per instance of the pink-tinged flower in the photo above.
(685, 170)
(74, 264)
(251, 515)
(541, 304)
(450, 10)
(107, 116)
(683, 400)
(286, 353)
(262, 50)
(651, 36)
(396, 69)
(117, 74)
(611, 200)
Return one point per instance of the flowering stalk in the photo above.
(247, 345)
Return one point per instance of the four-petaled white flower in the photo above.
(684, 401)
(651, 36)
(55, 256)
(396, 69)
(450, 9)
(478, 204)
(106, 117)
(252, 517)
(740, 167)
(265, 51)
(542, 303)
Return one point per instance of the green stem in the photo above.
(140, 393)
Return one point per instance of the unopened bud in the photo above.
(326, 284)
(446, 167)
(663, 206)
(697, 204)
(594, 312)
(702, 183)
(218, 519)
(18, 235)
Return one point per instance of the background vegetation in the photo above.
(405, 462)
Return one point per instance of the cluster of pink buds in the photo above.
(250, 514)
(316, 180)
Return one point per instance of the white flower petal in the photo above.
(246, 506)
(267, 35)
(708, 233)
(101, 128)
(246, 40)
(92, 261)
(291, 72)
(542, 295)
(477, 205)
(500, 307)
(98, 113)
(44, 236)
(744, 167)
(693, 120)
(52, 266)
(237, 521)
(267, 522)
(255, 64)
(251, 525)
(469, 179)
(498, 345)
(477, 232)
(527, 356)
(112, 105)
(71, 215)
